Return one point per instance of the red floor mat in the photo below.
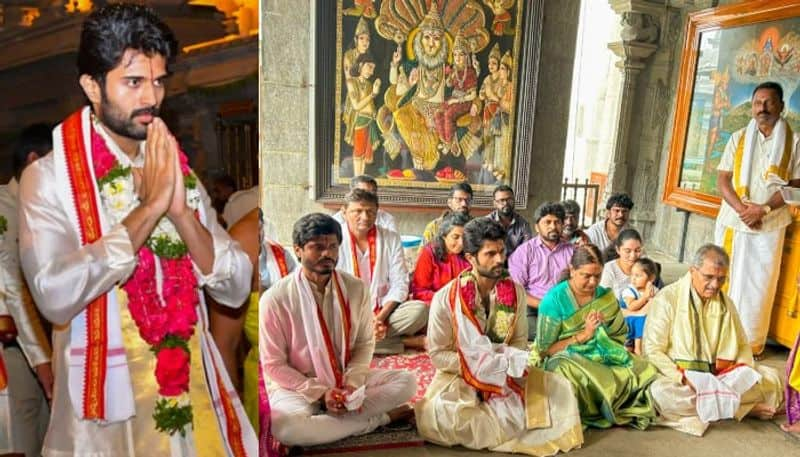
(419, 363)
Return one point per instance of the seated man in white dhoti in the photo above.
(315, 344)
(484, 395)
(752, 220)
(694, 337)
(118, 242)
(375, 254)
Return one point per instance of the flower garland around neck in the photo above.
(505, 303)
(162, 291)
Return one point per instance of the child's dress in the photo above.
(635, 321)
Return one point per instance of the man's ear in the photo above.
(31, 157)
(91, 88)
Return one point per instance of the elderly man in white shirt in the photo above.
(369, 184)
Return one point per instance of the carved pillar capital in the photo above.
(640, 34)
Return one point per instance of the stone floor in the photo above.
(750, 438)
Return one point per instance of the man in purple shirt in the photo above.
(537, 264)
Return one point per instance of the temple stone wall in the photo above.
(285, 106)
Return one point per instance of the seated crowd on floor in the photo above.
(535, 331)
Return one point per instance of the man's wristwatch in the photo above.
(767, 208)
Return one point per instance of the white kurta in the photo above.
(24, 400)
(295, 388)
(755, 254)
(681, 329)
(65, 276)
(452, 412)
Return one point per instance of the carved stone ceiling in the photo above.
(32, 30)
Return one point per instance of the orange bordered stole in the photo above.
(80, 177)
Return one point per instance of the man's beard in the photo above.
(429, 62)
(506, 211)
(569, 230)
(490, 273)
(116, 121)
(318, 266)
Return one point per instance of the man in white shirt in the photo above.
(24, 345)
(604, 232)
(752, 219)
(375, 255)
(368, 183)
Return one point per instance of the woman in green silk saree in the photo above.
(581, 335)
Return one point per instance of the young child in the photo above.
(635, 298)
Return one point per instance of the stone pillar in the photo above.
(640, 33)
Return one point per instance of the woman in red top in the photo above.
(441, 260)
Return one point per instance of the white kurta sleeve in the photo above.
(398, 274)
(30, 334)
(273, 349)
(726, 162)
(441, 341)
(229, 280)
(62, 275)
(657, 334)
(520, 338)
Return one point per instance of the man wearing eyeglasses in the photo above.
(518, 230)
(460, 201)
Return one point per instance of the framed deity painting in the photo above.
(423, 94)
(728, 52)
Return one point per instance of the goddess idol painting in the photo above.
(425, 91)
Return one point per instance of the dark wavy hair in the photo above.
(314, 225)
(621, 200)
(549, 209)
(108, 32)
(583, 255)
(36, 138)
(479, 230)
(449, 221)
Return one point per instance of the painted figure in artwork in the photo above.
(720, 102)
(362, 132)
(420, 85)
(361, 42)
(462, 83)
(501, 23)
(364, 8)
(499, 96)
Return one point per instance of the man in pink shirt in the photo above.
(538, 263)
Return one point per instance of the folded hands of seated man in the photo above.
(335, 399)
